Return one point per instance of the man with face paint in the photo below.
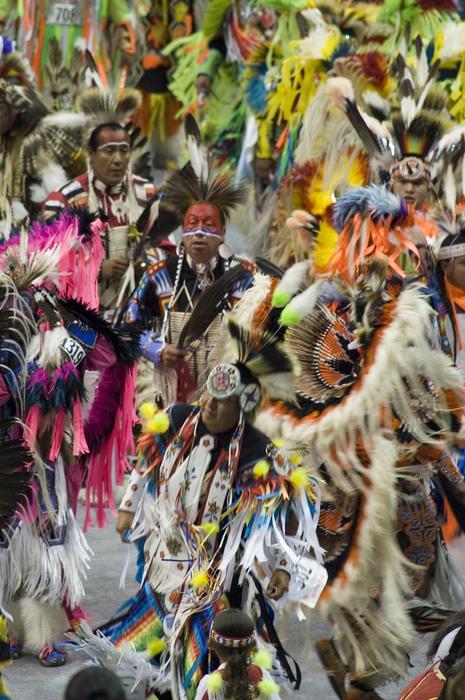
(168, 290)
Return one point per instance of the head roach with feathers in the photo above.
(416, 137)
(197, 183)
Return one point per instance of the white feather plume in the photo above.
(294, 279)
(453, 44)
(422, 68)
(339, 90)
(67, 120)
(303, 304)
(450, 188)
(53, 176)
(408, 109)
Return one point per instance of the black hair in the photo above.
(453, 688)
(95, 683)
(93, 138)
(234, 623)
(455, 620)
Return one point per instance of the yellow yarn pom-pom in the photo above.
(147, 410)
(263, 659)
(155, 647)
(210, 528)
(199, 580)
(261, 469)
(267, 687)
(278, 442)
(299, 478)
(215, 682)
(295, 459)
(158, 424)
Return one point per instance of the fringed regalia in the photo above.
(208, 523)
(49, 281)
(215, 511)
(379, 407)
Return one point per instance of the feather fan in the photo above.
(260, 357)
(269, 268)
(210, 304)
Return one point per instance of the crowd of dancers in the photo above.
(286, 426)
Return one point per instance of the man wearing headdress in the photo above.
(379, 407)
(110, 187)
(168, 290)
(197, 497)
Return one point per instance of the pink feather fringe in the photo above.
(57, 434)
(32, 421)
(79, 439)
(109, 434)
(80, 255)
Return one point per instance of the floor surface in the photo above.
(29, 681)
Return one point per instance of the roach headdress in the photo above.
(103, 106)
(414, 138)
(197, 181)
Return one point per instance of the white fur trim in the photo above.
(18, 211)
(38, 624)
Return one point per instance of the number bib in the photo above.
(74, 350)
(65, 13)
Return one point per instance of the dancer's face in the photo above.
(110, 160)
(203, 232)
(219, 416)
(414, 192)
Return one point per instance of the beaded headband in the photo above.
(410, 168)
(232, 642)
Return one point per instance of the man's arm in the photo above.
(130, 503)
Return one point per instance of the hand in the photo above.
(278, 585)
(171, 354)
(113, 270)
(123, 523)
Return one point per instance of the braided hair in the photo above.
(234, 624)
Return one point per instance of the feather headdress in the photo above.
(417, 125)
(105, 106)
(197, 181)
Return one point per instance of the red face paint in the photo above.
(203, 216)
